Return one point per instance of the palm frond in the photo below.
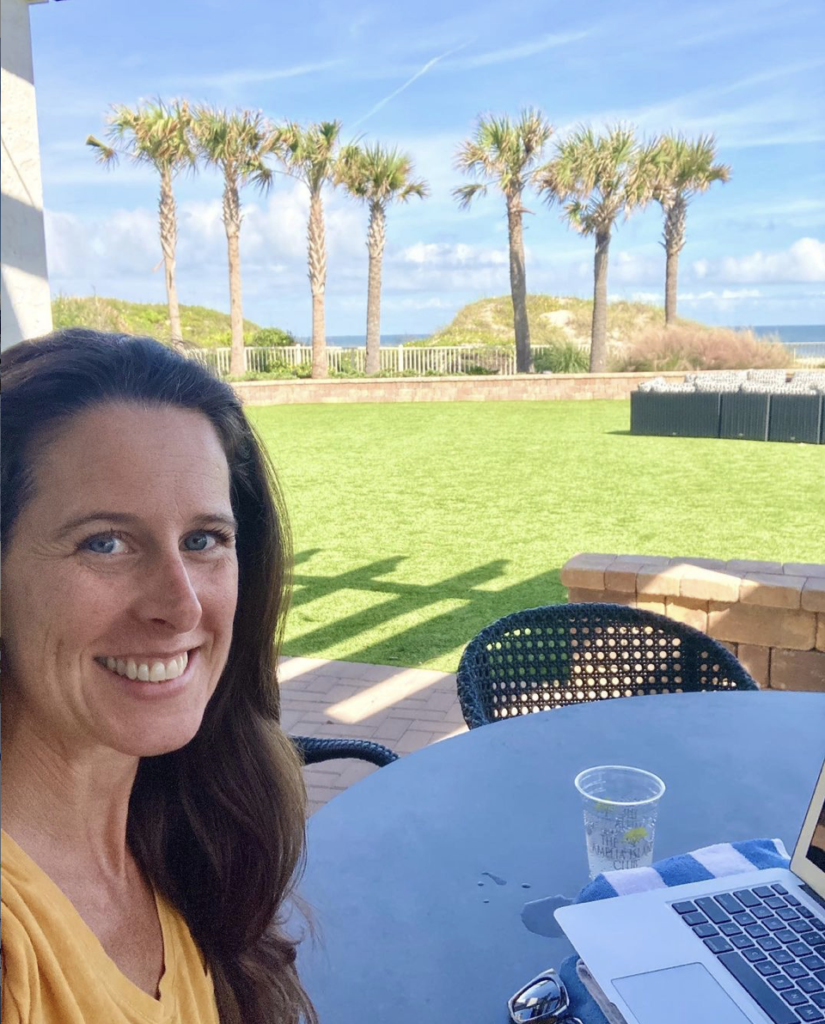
(156, 133)
(596, 176)
(237, 142)
(310, 153)
(465, 194)
(685, 167)
(104, 154)
(376, 174)
(502, 151)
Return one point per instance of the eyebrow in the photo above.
(203, 520)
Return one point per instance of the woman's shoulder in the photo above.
(55, 970)
(18, 959)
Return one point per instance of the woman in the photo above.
(153, 810)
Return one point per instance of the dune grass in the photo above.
(489, 321)
(415, 525)
(202, 327)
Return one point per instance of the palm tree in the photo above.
(597, 177)
(311, 155)
(237, 142)
(683, 168)
(156, 134)
(377, 177)
(502, 152)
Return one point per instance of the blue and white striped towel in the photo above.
(717, 861)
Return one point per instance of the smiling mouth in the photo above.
(155, 670)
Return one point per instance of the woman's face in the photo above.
(121, 581)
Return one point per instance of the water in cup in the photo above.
(620, 808)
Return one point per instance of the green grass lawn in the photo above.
(415, 525)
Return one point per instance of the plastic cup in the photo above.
(620, 808)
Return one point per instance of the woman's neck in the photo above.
(67, 808)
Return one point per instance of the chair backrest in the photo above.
(545, 658)
(314, 749)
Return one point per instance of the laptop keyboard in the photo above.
(772, 944)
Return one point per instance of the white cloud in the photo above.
(723, 295)
(804, 261)
(250, 76)
(444, 254)
(122, 249)
(126, 242)
(413, 304)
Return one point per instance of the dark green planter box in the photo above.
(796, 418)
(745, 416)
(685, 415)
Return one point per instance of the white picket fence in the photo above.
(446, 360)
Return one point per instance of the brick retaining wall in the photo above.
(516, 388)
(770, 614)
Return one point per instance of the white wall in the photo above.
(26, 302)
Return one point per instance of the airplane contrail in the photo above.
(408, 83)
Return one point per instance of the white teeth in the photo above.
(157, 673)
(154, 672)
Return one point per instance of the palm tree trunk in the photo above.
(232, 224)
(518, 284)
(671, 285)
(376, 237)
(598, 335)
(675, 216)
(317, 283)
(168, 243)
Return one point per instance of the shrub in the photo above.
(683, 347)
(272, 337)
(562, 357)
(478, 371)
(399, 373)
(268, 362)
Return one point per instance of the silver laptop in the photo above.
(746, 949)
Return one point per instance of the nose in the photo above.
(168, 593)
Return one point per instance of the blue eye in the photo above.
(103, 544)
(201, 538)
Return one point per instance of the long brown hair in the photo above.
(219, 825)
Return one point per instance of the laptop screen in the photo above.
(816, 850)
(808, 861)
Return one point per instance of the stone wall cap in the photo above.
(745, 565)
(813, 595)
(461, 378)
(776, 590)
(804, 569)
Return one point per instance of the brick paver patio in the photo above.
(403, 708)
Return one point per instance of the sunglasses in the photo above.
(544, 1000)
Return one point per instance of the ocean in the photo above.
(359, 340)
(806, 340)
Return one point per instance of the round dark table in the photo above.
(408, 935)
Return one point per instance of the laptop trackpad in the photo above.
(679, 995)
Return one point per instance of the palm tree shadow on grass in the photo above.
(431, 637)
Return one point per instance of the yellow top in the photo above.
(55, 971)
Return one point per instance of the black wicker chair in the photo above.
(312, 750)
(546, 658)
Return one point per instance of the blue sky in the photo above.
(750, 71)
